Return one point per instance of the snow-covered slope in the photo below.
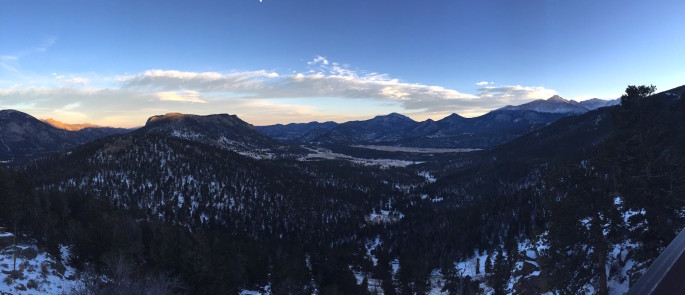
(36, 272)
(596, 103)
(554, 104)
(558, 104)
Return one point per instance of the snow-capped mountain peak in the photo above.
(554, 104)
(557, 98)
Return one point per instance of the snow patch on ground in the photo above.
(429, 178)
(262, 291)
(370, 247)
(395, 264)
(586, 222)
(385, 162)
(384, 216)
(258, 154)
(326, 154)
(433, 200)
(183, 134)
(39, 274)
(436, 283)
(630, 213)
(417, 150)
(468, 267)
(620, 262)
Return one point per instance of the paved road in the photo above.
(666, 275)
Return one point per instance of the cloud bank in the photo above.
(263, 96)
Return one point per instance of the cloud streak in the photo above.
(183, 96)
(45, 45)
(11, 62)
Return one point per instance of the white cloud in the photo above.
(202, 81)
(373, 86)
(9, 63)
(318, 60)
(333, 80)
(46, 44)
(78, 80)
(483, 83)
(256, 95)
(70, 80)
(58, 103)
(72, 106)
(183, 96)
(514, 94)
(20, 106)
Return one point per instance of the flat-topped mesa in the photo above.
(220, 130)
(216, 118)
(167, 116)
(174, 115)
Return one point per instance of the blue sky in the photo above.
(119, 62)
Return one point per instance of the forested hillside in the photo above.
(582, 205)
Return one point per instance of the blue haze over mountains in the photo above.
(24, 136)
(217, 172)
(453, 131)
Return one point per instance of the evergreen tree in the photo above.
(583, 222)
(498, 279)
(648, 153)
(14, 205)
(635, 95)
(452, 279)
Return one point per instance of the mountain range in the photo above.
(22, 135)
(596, 194)
(453, 131)
(558, 104)
(69, 127)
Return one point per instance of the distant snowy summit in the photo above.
(558, 104)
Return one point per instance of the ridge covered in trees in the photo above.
(208, 220)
